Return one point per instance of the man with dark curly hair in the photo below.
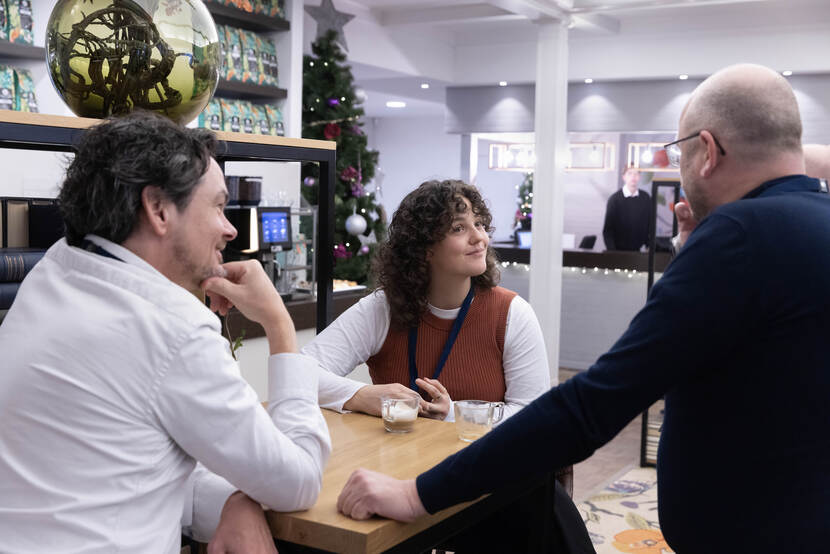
(116, 380)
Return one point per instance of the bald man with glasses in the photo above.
(735, 336)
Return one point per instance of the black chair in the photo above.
(587, 242)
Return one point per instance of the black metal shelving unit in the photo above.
(229, 15)
(59, 134)
(248, 91)
(22, 51)
(656, 185)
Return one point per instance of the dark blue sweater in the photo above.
(736, 336)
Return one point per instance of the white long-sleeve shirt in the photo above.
(115, 381)
(359, 333)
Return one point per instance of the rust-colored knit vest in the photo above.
(474, 369)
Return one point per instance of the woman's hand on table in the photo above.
(369, 493)
(367, 399)
(440, 405)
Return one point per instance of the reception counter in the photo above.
(610, 259)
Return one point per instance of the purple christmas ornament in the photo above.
(334, 102)
(309, 181)
(364, 249)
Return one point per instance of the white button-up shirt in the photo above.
(114, 382)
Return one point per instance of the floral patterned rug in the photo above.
(622, 517)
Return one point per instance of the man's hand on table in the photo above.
(242, 528)
(369, 493)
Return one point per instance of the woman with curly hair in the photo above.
(437, 324)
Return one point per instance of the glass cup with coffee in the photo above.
(474, 418)
(399, 413)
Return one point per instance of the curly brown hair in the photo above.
(423, 219)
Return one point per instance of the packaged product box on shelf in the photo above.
(4, 21)
(231, 116)
(275, 117)
(262, 126)
(262, 61)
(211, 116)
(262, 6)
(223, 51)
(248, 119)
(6, 88)
(25, 100)
(20, 21)
(245, 5)
(277, 8)
(250, 72)
(235, 53)
(268, 61)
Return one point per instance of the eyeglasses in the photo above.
(673, 148)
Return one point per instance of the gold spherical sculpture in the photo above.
(108, 57)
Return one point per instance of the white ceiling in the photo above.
(408, 42)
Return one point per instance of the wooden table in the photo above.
(360, 441)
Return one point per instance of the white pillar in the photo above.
(551, 114)
(290, 50)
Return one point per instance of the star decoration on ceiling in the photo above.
(329, 19)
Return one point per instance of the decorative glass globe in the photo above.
(109, 57)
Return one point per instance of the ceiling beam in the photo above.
(536, 9)
(444, 14)
(595, 22)
(599, 6)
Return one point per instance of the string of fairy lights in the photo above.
(595, 271)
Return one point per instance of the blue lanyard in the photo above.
(456, 328)
(90, 246)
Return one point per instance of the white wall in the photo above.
(412, 150)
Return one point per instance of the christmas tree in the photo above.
(331, 112)
(524, 213)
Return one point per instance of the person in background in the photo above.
(435, 270)
(116, 380)
(627, 215)
(734, 335)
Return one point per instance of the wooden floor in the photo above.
(610, 461)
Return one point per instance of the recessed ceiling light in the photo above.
(424, 85)
(395, 104)
(589, 81)
(786, 73)
(683, 77)
(502, 83)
